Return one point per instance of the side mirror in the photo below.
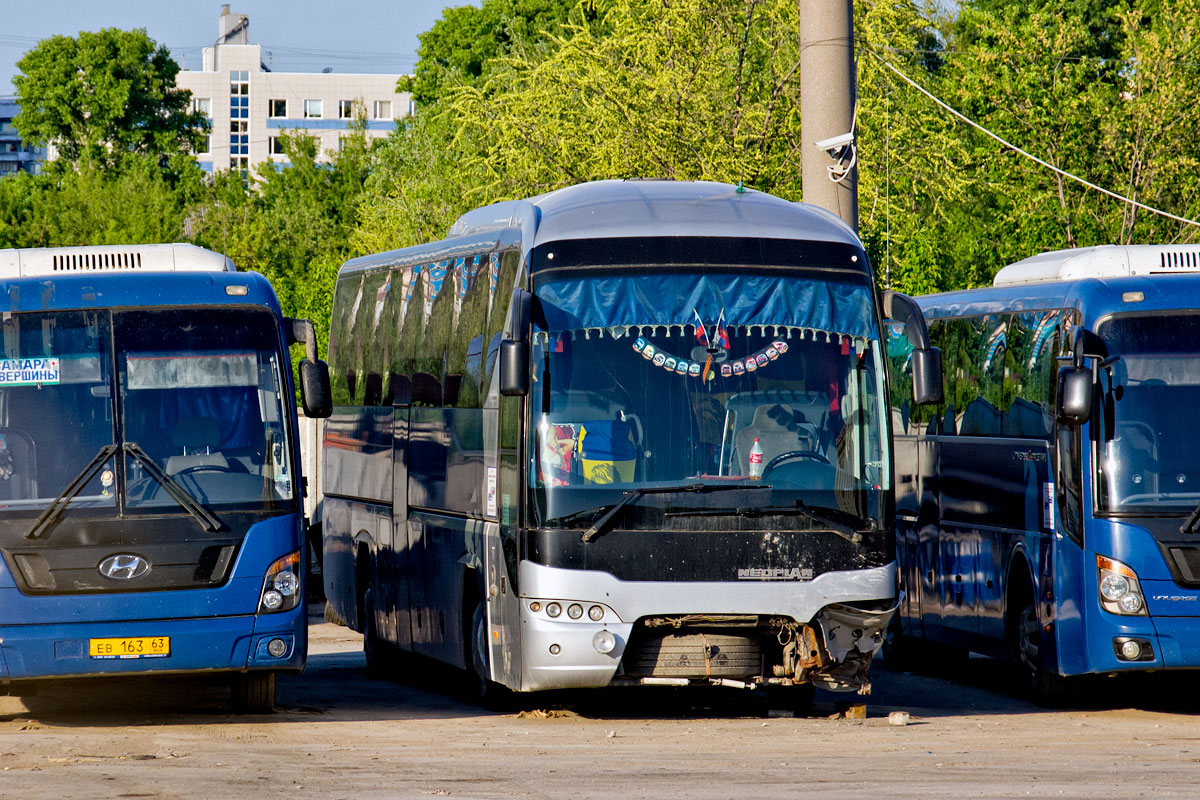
(514, 368)
(315, 394)
(926, 359)
(514, 352)
(927, 376)
(1075, 391)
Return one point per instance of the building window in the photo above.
(277, 108)
(239, 81)
(345, 109)
(312, 109)
(382, 109)
(239, 162)
(275, 145)
(202, 105)
(206, 144)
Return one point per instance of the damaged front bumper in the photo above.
(852, 636)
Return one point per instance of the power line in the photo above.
(1028, 155)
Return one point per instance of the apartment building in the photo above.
(251, 106)
(15, 154)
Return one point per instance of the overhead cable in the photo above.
(1028, 155)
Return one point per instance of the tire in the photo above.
(480, 688)
(796, 699)
(900, 653)
(380, 663)
(1044, 688)
(903, 653)
(253, 693)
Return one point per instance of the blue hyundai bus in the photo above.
(623, 433)
(1049, 510)
(150, 488)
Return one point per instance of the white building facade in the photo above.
(251, 107)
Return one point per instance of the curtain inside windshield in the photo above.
(650, 380)
(55, 409)
(201, 395)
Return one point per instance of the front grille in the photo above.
(694, 655)
(1187, 562)
(74, 570)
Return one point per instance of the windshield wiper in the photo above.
(601, 525)
(60, 503)
(1189, 525)
(206, 518)
(821, 517)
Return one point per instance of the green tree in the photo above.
(137, 203)
(459, 47)
(103, 94)
(292, 224)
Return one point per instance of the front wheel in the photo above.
(480, 687)
(1045, 688)
(253, 693)
(798, 698)
(380, 660)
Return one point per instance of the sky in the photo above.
(296, 35)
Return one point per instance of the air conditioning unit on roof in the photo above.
(1104, 261)
(52, 261)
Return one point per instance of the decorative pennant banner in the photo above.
(682, 366)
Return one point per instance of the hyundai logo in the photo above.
(124, 567)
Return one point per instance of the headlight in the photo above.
(1120, 592)
(1112, 587)
(281, 586)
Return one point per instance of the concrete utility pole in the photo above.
(827, 96)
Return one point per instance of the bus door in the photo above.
(916, 519)
(924, 610)
(396, 598)
(963, 500)
(993, 498)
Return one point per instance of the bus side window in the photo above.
(341, 353)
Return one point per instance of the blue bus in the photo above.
(623, 433)
(150, 490)
(1048, 510)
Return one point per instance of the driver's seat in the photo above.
(196, 437)
(779, 429)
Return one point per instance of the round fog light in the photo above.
(1131, 650)
(535, 606)
(272, 599)
(574, 611)
(604, 642)
(555, 649)
(595, 613)
(553, 609)
(276, 647)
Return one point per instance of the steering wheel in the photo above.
(202, 468)
(792, 455)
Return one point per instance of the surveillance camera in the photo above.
(835, 144)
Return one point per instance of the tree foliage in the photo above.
(103, 94)
(525, 96)
(461, 46)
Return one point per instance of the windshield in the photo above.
(767, 382)
(198, 392)
(1146, 439)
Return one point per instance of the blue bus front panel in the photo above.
(208, 629)
(1172, 621)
